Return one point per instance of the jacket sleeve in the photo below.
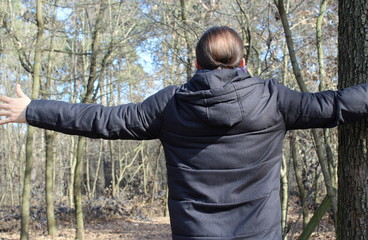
(323, 109)
(129, 121)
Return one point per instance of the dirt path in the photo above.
(110, 229)
(103, 225)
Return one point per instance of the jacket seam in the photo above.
(238, 99)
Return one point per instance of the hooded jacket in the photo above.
(222, 134)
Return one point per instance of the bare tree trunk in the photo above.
(318, 143)
(50, 156)
(26, 196)
(318, 214)
(123, 169)
(326, 132)
(86, 99)
(285, 171)
(353, 137)
(246, 30)
(320, 53)
(72, 162)
(87, 170)
(97, 173)
(284, 193)
(145, 167)
(77, 190)
(298, 169)
(49, 175)
(184, 18)
(155, 181)
(114, 184)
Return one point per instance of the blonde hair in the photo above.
(219, 47)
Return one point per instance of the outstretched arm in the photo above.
(323, 109)
(14, 109)
(128, 121)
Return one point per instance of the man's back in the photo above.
(222, 134)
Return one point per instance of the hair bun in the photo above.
(219, 47)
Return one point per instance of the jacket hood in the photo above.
(213, 96)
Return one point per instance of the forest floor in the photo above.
(108, 229)
(111, 222)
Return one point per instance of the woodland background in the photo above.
(114, 52)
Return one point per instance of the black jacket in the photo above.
(222, 133)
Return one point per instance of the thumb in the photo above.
(19, 91)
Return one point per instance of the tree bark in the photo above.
(353, 137)
(49, 175)
(72, 162)
(26, 195)
(50, 153)
(77, 190)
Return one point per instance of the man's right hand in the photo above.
(14, 109)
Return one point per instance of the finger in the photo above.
(4, 121)
(5, 113)
(4, 107)
(19, 91)
(4, 99)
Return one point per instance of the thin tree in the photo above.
(49, 149)
(26, 196)
(184, 18)
(299, 78)
(87, 98)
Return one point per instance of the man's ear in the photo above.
(242, 63)
(197, 65)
